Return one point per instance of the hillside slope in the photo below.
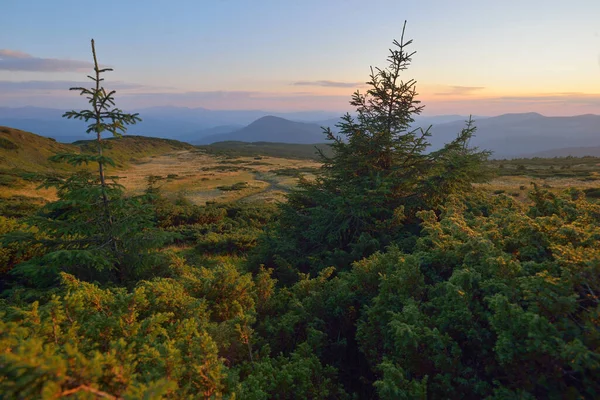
(130, 148)
(28, 152)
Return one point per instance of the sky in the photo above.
(481, 57)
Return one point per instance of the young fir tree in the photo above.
(103, 117)
(379, 176)
(92, 227)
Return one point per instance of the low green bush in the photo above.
(7, 144)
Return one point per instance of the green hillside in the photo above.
(26, 151)
(131, 148)
(23, 153)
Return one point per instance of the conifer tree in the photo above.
(103, 117)
(93, 227)
(379, 176)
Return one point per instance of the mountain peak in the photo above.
(270, 119)
(273, 129)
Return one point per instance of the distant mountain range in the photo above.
(507, 135)
(513, 135)
(593, 151)
(180, 123)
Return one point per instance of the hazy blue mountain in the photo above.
(272, 129)
(179, 123)
(227, 117)
(593, 151)
(30, 112)
(420, 121)
(63, 131)
(425, 120)
(68, 131)
(512, 135)
(508, 135)
(197, 137)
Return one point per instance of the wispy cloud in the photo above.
(545, 103)
(54, 94)
(248, 100)
(216, 100)
(13, 60)
(329, 84)
(60, 85)
(555, 98)
(460, 90)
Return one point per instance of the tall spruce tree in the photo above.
(92, 227)
(103, 117)
(379, 176)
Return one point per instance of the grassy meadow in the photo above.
(235, 171)
(203, 177)
(203, 246)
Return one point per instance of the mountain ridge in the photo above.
(26, 151)
(507, 135)
(272, 129)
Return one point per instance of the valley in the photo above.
(202, 177)
(261, 200)
(237, 171)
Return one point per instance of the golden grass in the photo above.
(197, 176)
(29, 189)
(515, 182)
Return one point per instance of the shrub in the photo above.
(7, 144)
(20, 206)
(593, 193)
(8, 180)
(234, 187)
(238, 242)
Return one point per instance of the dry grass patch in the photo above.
(198, 176)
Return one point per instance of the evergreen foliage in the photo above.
(93, 230)
(392, 278)
(184, 337)
(497, 300)
(73, 234)
(104, 117)
(379, 176)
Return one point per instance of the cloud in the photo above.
(247, 100)
(12, 60)
(329, 84)
(60, 85)
(460, 90)
(556, 98)
(546, 103)
(216, 100)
